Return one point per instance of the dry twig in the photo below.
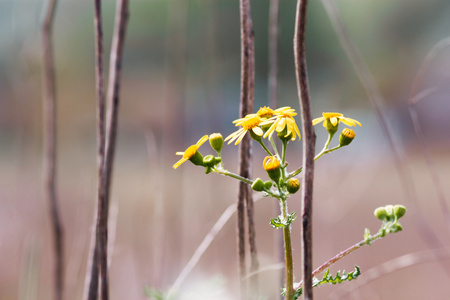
(50, 146)
(309, 141)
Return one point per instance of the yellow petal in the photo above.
(317, 120)
(334, 121)
(258, 131)
(201, 141)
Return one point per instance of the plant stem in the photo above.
(341, 255)
(309, 142)
(49, 151)
(287, 253)
(264, 147)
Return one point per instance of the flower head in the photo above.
(334, 119)
(283, 119)
(249, 123)
(272, 166)
(265, 112)
(192, 154)
(346, 137)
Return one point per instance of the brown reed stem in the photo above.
(99, 263)
(246, 107)
(106, 143)
(309, 141)
(273, 51)
(50, 156)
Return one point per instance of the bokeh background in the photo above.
(180, 82)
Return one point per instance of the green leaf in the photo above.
(278, 223)
(328, 278)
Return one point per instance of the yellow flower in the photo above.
(265, 112)
(249, 122)
(334, 119)
(190, 152)
(283, 119)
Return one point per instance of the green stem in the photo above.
(325, 150)
(288, 254)
(274, 146)
(341, 255)
(235, 176)
(264, 147)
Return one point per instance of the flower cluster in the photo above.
(266, 119)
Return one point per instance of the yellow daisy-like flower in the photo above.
(334, 119)
(283, 119)
(190, 152)
(249, 122)
(265, 112)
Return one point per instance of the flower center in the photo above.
(190, 151)
(251, 123)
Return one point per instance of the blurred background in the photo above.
(181, 80)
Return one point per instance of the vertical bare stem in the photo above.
(100, 251)
(273, 51)
(246, 107)
(50, 146)
(309, 141)
(106, 144)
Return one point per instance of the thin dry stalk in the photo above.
(273, 51)
(309, 141)
(50, 146)
(246, 107)
(100, 248)
(415, 97)
(376, 101)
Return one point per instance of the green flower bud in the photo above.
(272, 166)
(258, 185)
(380, 213)
(346, 137)
(268, 184)
(197, 159)
(293, 185)
(209, 161)
(399, 211)
(216, 142)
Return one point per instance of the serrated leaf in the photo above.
(328, 278)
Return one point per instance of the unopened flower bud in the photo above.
(258, 185)
(346, 137)
(293, 185)
(272, 166)
(216, 142)
(380, 213)
(399, 211)
(268, 184)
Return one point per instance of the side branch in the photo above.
(309, 140)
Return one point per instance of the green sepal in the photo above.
(197, 159)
